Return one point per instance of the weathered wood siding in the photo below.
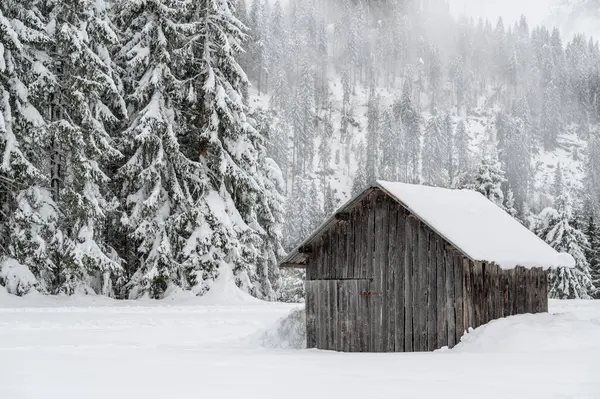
(382, 281)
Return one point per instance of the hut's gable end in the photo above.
(389, 276)
(345, 250)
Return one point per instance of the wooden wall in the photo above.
(383, 281)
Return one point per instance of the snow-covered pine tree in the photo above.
(157, 180)
(227, 227)
(411, 126)
(448, 133)
(435, 148)
(280, 90)
(86, 104)
(592, 177)
(516, 150)
(489, 176)
(592, 254)
(303, 213)
(360, 177)
(392, 149)
(461, 145)
(373, 128)
(27, 212)
(330, 202)
(556, 229)
(558, 184)
(510, 205)
(302, 122)
(257, 44)
(551, 124)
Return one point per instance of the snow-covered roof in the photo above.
(476, 226)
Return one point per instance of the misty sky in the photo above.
(549, 12)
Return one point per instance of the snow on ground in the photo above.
(183, 348)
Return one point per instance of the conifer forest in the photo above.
(150, 146)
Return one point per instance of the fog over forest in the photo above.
(156, 146)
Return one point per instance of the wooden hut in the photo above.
(405, 268)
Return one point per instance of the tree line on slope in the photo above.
(397, 90)
(131, 164)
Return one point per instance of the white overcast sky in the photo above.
(536, 11)
(550, 12)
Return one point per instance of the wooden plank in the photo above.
(390, 305)
(324, 256)
(334, 323)
(311, 322)
(467, 292)
(321, 319)
(370, 231)
(478, 294)
(512, 287)
(337, 271)
(536, 291)
(362, 325)
(353, 296)
(378, 263)
(431, 272)
(442, 321)
(361, 237)
(347, 315)
(520, 290)
(458, 297)
(486, 294)
(449, 308)
(400, 240)
(531, 290)
(419, 292)
(465, 296)
(408, 283)
(384, 209)
(493, 291)
(545, 290)
(327, 322)
(351, 247)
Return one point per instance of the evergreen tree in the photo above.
(556, 229)
(302, 121)
(360, 178)
(435, 147)
(372, 139)
(27, 212)
(558, 186)
(410, 117)
(551, 125)
(157, 179)
(86, 104)
(592, 254)
(228, 224)
(510, 205)
(489, 176)
(303, 213)
(392, 149)
(462, 142)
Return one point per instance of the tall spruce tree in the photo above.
(592, 254)
(86, 104)
(227, 226)
(558, 231)
(489, 176)
(435, 147)
(27, 211)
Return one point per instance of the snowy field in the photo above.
(98, 348)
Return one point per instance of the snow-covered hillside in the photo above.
(93, 347)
